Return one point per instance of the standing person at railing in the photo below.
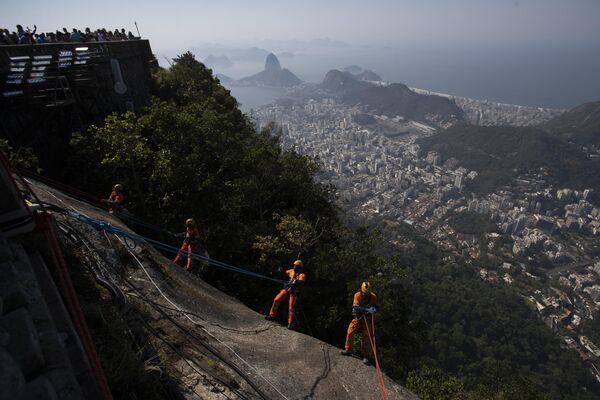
(26, 36)
(75, 36)
(5, 37)
(41, 38)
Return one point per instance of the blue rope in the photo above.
(105, 226)
(137, 221)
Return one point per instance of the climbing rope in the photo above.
(196, 323)
(90, 199)
(136, 221)
(106, 226)
(380, 378)
(123, 236)
(48, 229)
(98, 259)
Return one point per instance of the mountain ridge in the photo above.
(391, 100)
(580, 125)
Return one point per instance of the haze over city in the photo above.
(523, 52)
(180, 24)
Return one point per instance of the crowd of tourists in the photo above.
(29, 36)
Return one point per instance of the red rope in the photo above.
(66, 285)
(379, 374)
(49, 231)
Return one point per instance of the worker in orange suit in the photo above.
(116, 199)
(191, 237)
(290, 290)
(364, 304)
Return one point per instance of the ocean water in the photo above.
(252, 97)
(535, 76)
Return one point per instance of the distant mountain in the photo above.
(500, 153)
(273, 75)
(362, 74)
(223, 78)
(343, 83)
(391, 100)
(353, 69)
(219, 62)
(368, 75)
(251, 54)
(580, 125)
(272, 63)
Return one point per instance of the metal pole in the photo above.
(138, 29)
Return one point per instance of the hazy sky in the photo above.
(178, 25)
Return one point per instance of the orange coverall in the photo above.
(285, 292)
(360, 323)
(115, 201)
(189, 244)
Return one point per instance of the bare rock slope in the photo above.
(259, 359)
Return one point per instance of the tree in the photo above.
(294, 237)
(22, 158)
(433, 384)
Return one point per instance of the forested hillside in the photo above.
(580, 125)
(443, 331)
(501, 153)
(392, 100)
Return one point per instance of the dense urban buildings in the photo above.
(539, 238)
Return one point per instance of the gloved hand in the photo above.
(288, 285)
(371, 310)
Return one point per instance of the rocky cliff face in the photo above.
(272, 63)
(222, 347)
